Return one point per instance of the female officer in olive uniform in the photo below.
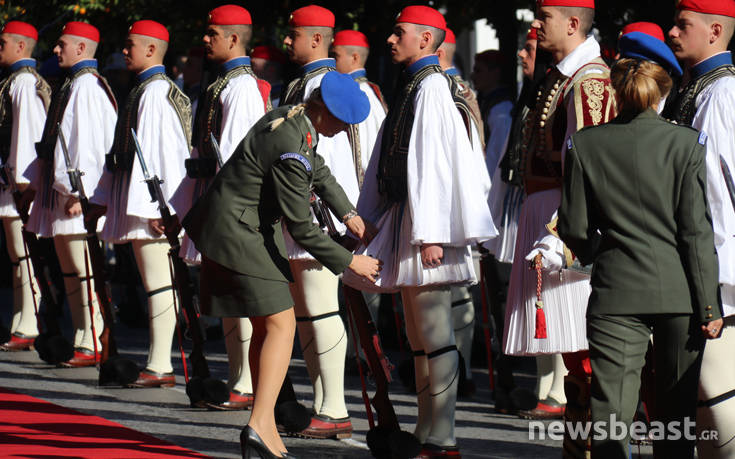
(236, 226)
(634, 203)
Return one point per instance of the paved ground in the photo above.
(165, 413)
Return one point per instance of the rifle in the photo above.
(96, 257)
(181, 280)
(39, 261)
(386, 439)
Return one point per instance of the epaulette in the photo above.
(295, 110)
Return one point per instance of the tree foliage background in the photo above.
(186, 20)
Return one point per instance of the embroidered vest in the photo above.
(685, 106)
(466, 102)
(122, 153)
(353, 133)
(43, 90)
(209, 116)
(546, 125)
(295, 91)
(392, 168)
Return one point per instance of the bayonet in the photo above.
(215, 147)
(75, 175)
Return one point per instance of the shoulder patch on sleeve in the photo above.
(298, 157)
(702, 138)
(569, 143)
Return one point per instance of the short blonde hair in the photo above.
(639, 85)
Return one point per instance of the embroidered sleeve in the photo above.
(593, 100)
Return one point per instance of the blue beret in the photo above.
(344, 98)
(639, 45)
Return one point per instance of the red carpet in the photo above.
(30, 427)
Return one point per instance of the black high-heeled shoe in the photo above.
(252, 446)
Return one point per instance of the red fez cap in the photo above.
(311, 16)
(648, 28)
(422, 15)
(269, 53)
(21, 28)
(149, 29)
(81, 29)
(449, 38)
(230, 15)
(350, 38)
(573, 3)
(721, 7)
(532, 34)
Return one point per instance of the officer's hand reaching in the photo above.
(364, 230)
(367, 267)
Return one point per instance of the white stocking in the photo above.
(151, 257)
(717, 377)
(463, 318)
(238, 333)
(24, 313)
(70, 251)
(329, 338)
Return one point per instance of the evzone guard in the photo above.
(161, 115)
(230, 107)
(85, 110)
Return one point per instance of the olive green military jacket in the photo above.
(268, 179)
(641, 183)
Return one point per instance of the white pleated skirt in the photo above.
(505, 207)
(564, 293)
(47, 217)
(402, 265)
(119, 226)
(7, 204)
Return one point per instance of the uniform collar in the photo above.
(711, 63)
(452, 71)
(581, 55)
(150, 71)
(22, 63)
(319, 63)
(359, 73)
(239, 61)
(87, 63)
(431, 59)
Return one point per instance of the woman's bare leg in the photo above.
(272, 336)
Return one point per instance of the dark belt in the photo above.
(200, 167)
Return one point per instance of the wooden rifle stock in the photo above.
(377, 361)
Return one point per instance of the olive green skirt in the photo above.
(227, 293)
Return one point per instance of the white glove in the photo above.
(551, 249)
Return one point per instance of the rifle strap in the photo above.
(69, 274)
(317, 317)
(160, 290)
